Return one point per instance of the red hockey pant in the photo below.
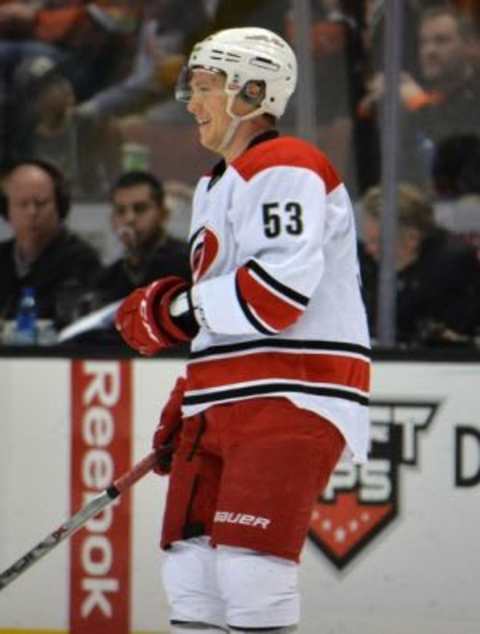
(248, 474)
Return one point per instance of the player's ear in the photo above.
(249, 98)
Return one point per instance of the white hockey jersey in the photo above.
(276, 280)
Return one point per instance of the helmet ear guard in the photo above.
(253, 92)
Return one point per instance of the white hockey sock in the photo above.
(286, 629)
(197, 628)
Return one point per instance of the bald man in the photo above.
(43, 253)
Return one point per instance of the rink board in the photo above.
(393, 547)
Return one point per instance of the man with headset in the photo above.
(42, 254)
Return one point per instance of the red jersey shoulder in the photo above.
(286, 152)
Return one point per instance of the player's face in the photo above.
(136, 216)
(208, 104)
(441, 48)
(32, 209)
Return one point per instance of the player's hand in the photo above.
(144, 319)
(167, 434)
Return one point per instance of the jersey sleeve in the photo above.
(279, 224)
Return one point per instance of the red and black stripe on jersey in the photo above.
(269, 305)
(278, 366)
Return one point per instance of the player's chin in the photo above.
(206, 138)
(212, 145)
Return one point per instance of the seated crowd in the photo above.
(437, 273)
(63, 270)
(86, 71)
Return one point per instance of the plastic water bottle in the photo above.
(26, 330)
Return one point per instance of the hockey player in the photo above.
(277, 380)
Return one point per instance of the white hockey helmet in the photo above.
(245, 55)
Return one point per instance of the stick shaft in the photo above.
(78, 520)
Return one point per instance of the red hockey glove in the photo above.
(167, 433)
(144, 319)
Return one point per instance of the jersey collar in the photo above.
(220, 167)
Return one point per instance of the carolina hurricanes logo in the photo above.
(204, 247)
(360, 501)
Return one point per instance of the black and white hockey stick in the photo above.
(79, 519)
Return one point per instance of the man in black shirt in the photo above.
(139, 216)
(43, 254)
(438, 274)
(439, 98)
(447, 103)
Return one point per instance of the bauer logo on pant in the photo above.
(241, 518)
(361, 500)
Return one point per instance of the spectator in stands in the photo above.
(90, 40)
(438, 275)
(43, 253)
(447, 103)
(48, 127)
(139, 217)
(16, 43)
(444, 100)
(157, 62)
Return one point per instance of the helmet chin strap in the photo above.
(229, 134)
(236, 121)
